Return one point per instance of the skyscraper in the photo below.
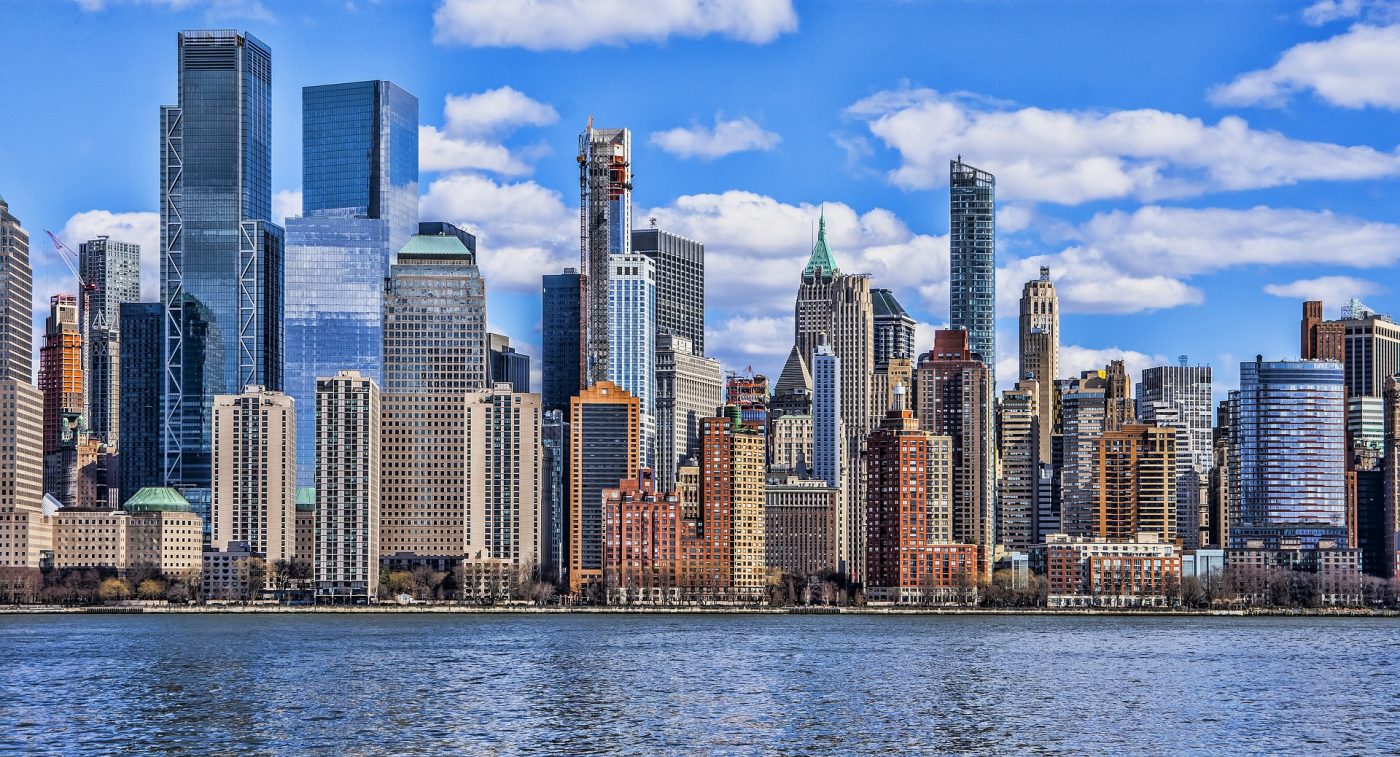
(360, 205)
(142, 380)
(434, 356)
(1018, 445)
(605, 203)
(680, 283)
(255, 488)
(1135, 483)
(1287, 455)
(504, 507)
(894, 330)
(688, 388)
(16, 300)
(632, 353)
(1040, 351)
(1372, 350)
(561, 334)
(604, 426)
(506, 365)
(221, 256)
(61, 381)
(829, 440)
(972, 242)
(114, 270)
(347, 416)
(1181, 396)
(1320, 339)
(732, 497)
(554, 491)
(792, 395)
(1119, 409)
(1081, 425)
(1390, 481)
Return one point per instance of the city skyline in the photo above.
(1277, 219)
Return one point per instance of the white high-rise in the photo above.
(255, 472)
(347, 487)
(632, 327)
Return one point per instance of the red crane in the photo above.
(72, 260)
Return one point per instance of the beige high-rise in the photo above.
(255, 472)
(347, 488)
(1135, 487)
(26, 534)
(1040, 351)
(504, 507)
(1018, 444)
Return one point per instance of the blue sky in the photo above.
(1190, 173)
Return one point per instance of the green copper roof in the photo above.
(435, 244)
(157, 499)
(306, 498)
(821, 256)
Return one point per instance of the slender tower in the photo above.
(1040, 351)
(972, 242)
(605, 225)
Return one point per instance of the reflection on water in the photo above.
(430, 685)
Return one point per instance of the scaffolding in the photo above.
(605, 200)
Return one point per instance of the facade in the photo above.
(61, 381)
(1119, 409)
(228, 574)
(554, 492)
(632, 352)
(790, 445)
(909, 513)
(562, 335)
(506, 365)
(1284, 490)
(1081, 424)
(359, 206)
(1372, 351)
(894, 330)
(347, 491)
(642, 542)
(1094, 572)
(688, 388)
(113, 271)
(504, 504)
(748, 392)
(604, 428)
(434, 356)
(26, 529)
(140, 463)
(1018, 449)
(1390, 482)
(1188, 388)
(221, 256)
(731, 540)
(605, 204)
(954, 399)
(836, 309)
(1135, 483)
(800, 526)
(154, 529)
(680, 283)
(1040, 351)
(1321, 340)
(793, 392)
(16, 300)
(972, 242)
(829, 435)
(255, 473)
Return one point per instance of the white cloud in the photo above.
(1076, 156)
(577, 24)
(726, 138)
(248, 10)
(758, 340)
(1075, 359)
(500, 109)
(142, 228)
(1330, 289)
(1356, 69)
(439, 152)
(473, 130)
(286, 203)
(1327, 11)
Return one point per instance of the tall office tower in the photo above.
(1082, 409)
(26, 533)
(792, 395)
(1390, 481)
(954, 399)
(114, 270)
(1372, 350)
(830, 442)
(16, 300)
(359, 166)
(255, 462)
(1040, 350)
(836, 309)
(1119, 409)
(1190, 485)
(1181, 396)
(1018, 448)
(688, 388)
(1321, 340)
(348, 459)
(680, 283)
(632, 354)
(554, 491)
(1218, 498)
(732, 497)
(799, 527)
(605, 229)
(434, 356)
(604, 427)
(894, 330)
(506, 365)
(142, 367)
(503, 477)
(61, 381)
(221, 256)
(909, 507)
(790, 448)
(1135, 483)
(972, 242)
(561, 334)
(1287, 455)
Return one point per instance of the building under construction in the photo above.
(605, 226)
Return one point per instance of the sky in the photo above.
(1189, 172)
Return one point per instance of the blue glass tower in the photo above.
(360, 205)
(141, 366)
(972, 242)
(221, 256)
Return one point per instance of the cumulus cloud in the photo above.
(475, 124)
(286, 203)
(246, 10)
(440, 152)
(495, 110)
(726, 138)
(577, 24)
(1075, 156)
(141, 228)
(1074, 359)
(1356, 69)
(1327, 11)
(1329, 289)
(757, 339)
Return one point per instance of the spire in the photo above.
(821, 256)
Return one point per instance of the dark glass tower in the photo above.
(563, 366)
(680, 283)
(221, 256)
(894, 329)
(972, 241)
(142, 363)
(360, 206)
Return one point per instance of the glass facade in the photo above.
(221, 258)
(680, 283)
(561, 332)
(1288, 458)
(360, 206)
(632, 352)
(972, 241)
(140, 463)
(115, 270)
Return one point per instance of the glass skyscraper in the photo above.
(680, 283)
(114, 268)
(139, 463)
(562, 338)
(632, 353)
(360, 206)
(221, 256)
(972, 241)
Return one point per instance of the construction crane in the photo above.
(72, 260)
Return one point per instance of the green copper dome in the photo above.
(821, 255)
(157, 499)
(306, 498)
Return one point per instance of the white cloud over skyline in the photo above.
(726, 137)
(1355, 69)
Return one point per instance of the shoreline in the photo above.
(468, 610)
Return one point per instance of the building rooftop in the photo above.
(821, 257)
(436, 245)
(883, 303)
(306, 498)
(157, 499)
